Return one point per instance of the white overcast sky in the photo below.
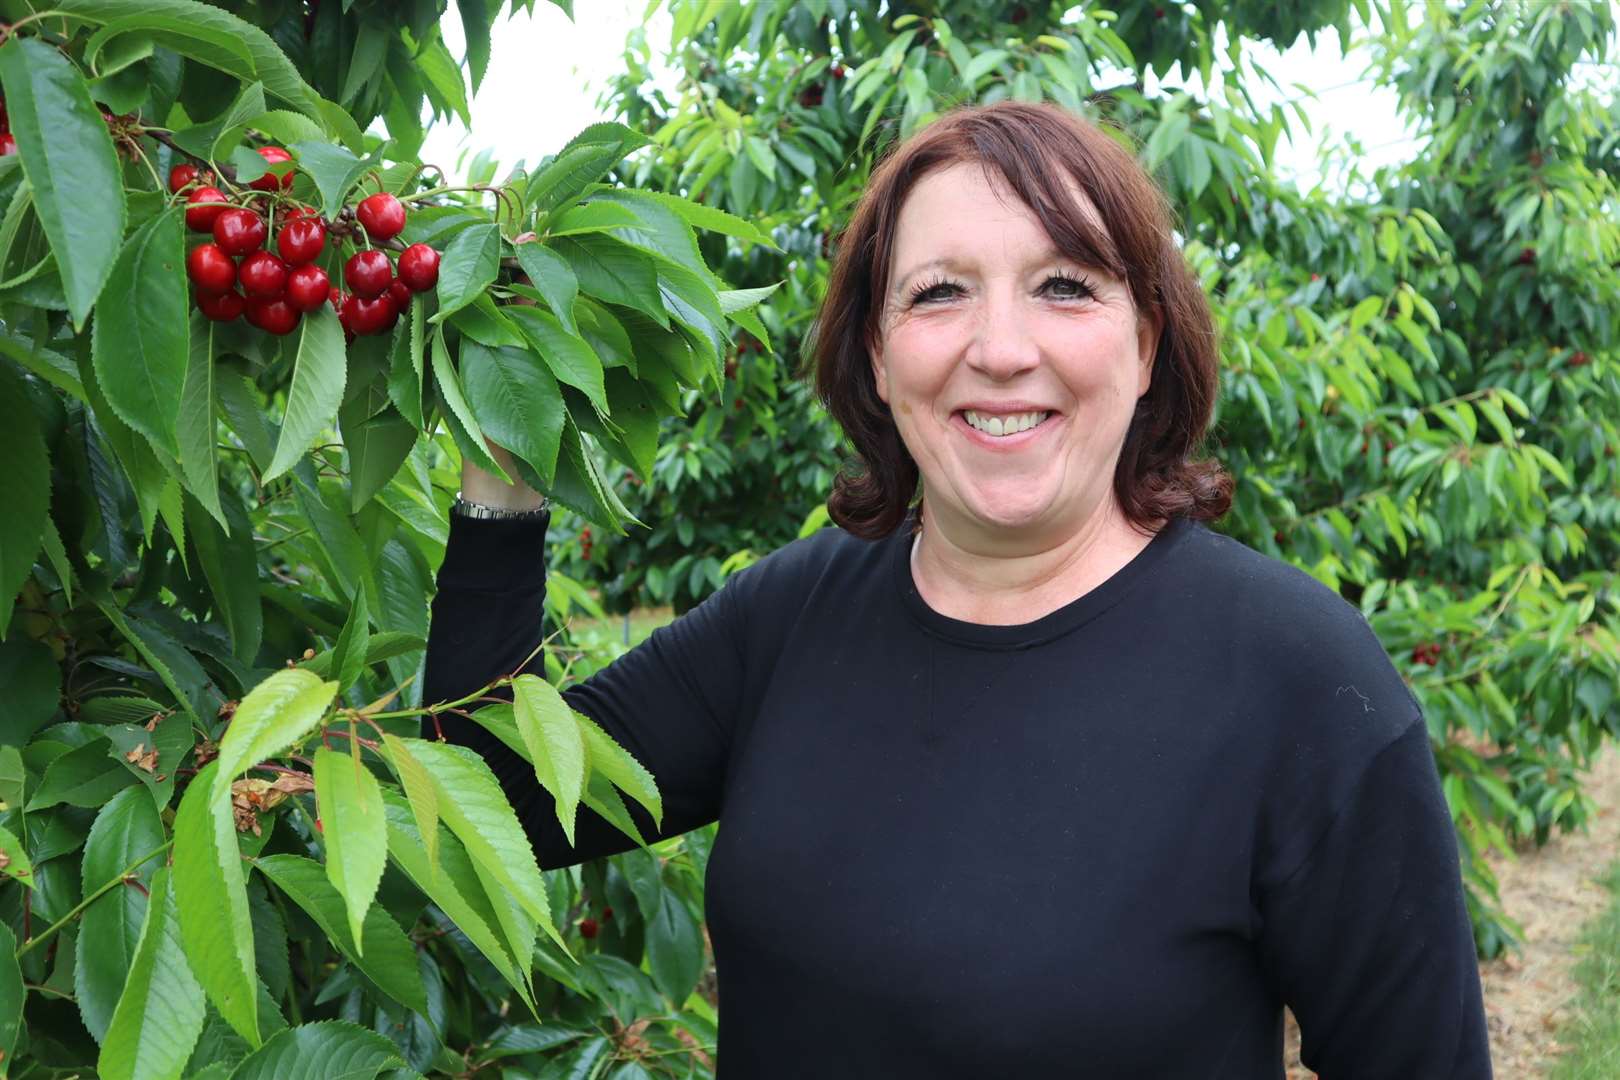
(546, 72)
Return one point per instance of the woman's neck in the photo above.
(997, 585)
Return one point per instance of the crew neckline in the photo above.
(1064, 620)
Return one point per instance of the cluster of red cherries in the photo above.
(236, 276)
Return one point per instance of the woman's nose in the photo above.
(1004, 342)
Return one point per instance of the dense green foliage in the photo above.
(218, 544)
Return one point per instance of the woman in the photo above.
(1044, 777)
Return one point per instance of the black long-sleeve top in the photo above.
(1112, 842)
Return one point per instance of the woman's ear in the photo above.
(880, 374)
(1148, 330)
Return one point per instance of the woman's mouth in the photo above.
(1001, 425)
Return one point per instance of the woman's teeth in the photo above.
(1003, 425)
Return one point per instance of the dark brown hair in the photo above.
(1038, 150)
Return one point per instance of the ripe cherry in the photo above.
(607, 914)
(276, 316)
(212, 269)
(8, 144)
(382, 215)
(400, 295)
(368, 315)
(335, 296)
(419, 267)
(301, 240)
(182, 175)
(367, 273)
(273, 155)
(203, 207)
(308, 287)
(262, 274)
(587, 928)
(239, 231)
(220, 307)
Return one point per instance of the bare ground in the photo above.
(1554, 893)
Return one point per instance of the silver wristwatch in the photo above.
(482, 512)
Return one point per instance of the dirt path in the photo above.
(1553, 893)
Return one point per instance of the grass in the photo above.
(1593, 1036)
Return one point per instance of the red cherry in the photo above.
(419, 267)
(607, 913)
(239, 231)
(1580, 359)
(212, 269)
(274, 315)
(8, 144)
(203, 207)
(263, 274)
(587, 928)
(307, 287)
(273, 155)
(181, 175)
(369, 315)
(367, 273)
(382, 215)
(301, 240)
(220, 307)
(335, 296)
(399, 294)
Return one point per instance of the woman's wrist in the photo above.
(487, 489)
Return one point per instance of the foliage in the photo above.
(1422, 376)
(224, 848)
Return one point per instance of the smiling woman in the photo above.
(1189, 773)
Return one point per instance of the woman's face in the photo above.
(1011, 371)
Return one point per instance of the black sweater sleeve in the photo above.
(1369, 937)
(668, 702)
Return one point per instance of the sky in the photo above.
(546, 72)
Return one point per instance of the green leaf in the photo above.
(25, 490)
(472, 804)
(349, 654)
(981, 64)
(196, 422)
(382, 646)
(552, 278)
(210, 893)
(140, 342)
(69, 160)
(13, 993)
(213, 137)
(275, 714)
(32, 679)
(613, 762)
(551, 735)
(674, 948)
(127, 828)
(566, 176)
(16, 861)
(316, 390)
(370, 47)
(161, 1010)
(169, 739)
(713, 220)
(230, 565)
(469, 910)
(381, 950)
(334, 171)
(445, 378)
(568, 356)
(475, 26)
(180, 674)
(516, 401)
(468, 267)
(328, 1050)
(597, 216)
(419, 793)
(351, 809)
(613, 271)
(84, 776)
(377, 447)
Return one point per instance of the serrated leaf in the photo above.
(377, 446)
(713, 220)
(210, 893)
(25, 490)
(612, 761)
(316, 390)
(382, 950)
(468, 267)
(13, 993)
(229, 564)
(475, 809)
(516, 400)
(333, 170)
(420, 794)
(674, 948)
(69, 160)
(567, 355)
(16, 861)
(327, 1050)
(170, 740)
(349, 653)
(84, 776)
(616, 272)
(210, 138)
(275, 714)
(140, 341)
(349, 801)
(566, 176)
(161, 1010)
(552, 737)
(449, 384)
(197, 419)
(551, 276)
(127, 828)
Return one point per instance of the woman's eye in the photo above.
(941, 291)
(1067, 288)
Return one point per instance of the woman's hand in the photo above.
(488, 489)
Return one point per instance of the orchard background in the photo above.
(224, 849)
